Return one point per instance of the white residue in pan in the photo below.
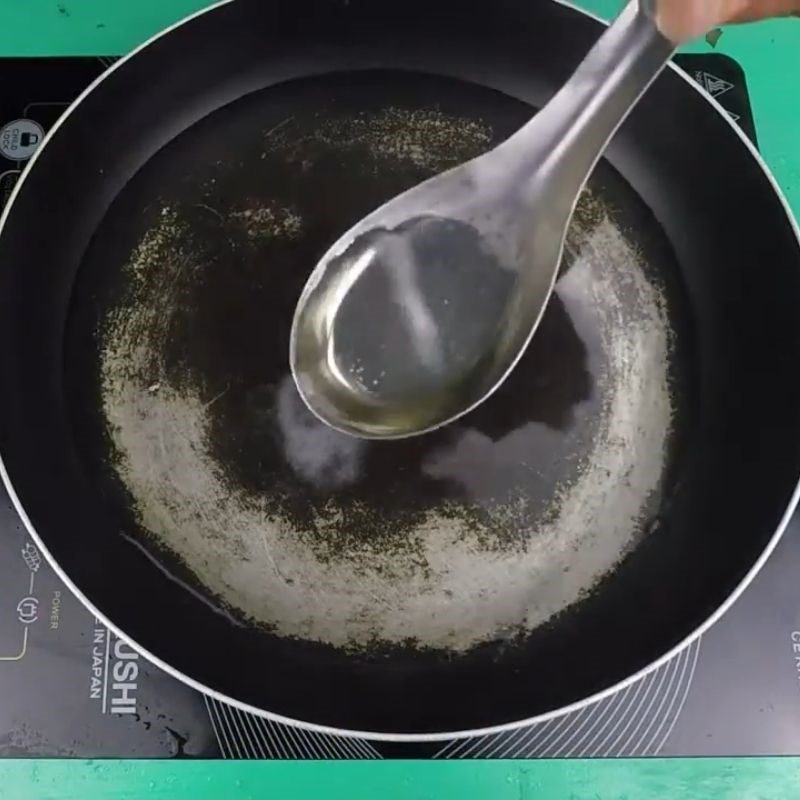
(263, 221)
(447, 590)
(427, 138)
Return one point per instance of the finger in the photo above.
(682, 20)
(764, 9)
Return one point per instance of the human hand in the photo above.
(681, 20)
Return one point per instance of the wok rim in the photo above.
(379, 736)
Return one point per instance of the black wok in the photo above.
(602, 509)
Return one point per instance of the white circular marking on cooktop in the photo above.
(20, 139)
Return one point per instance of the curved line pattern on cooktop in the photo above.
(636, 721)
(245, 736)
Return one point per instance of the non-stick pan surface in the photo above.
(151, 436)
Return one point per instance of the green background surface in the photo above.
(770, 53)
(662, 779)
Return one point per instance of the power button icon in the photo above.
(20, 138)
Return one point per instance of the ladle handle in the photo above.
(572, 131)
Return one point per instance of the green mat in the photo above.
(770, 53)
(662, 779)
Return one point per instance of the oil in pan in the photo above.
(476, 533)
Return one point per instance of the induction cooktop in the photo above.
(70, 689)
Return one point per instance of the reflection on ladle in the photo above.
(477, 460)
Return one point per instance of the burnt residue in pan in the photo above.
(481, 531)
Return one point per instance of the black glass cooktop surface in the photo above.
(69, 688)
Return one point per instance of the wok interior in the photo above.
(474, 535)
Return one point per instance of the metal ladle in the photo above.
(419, 312)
